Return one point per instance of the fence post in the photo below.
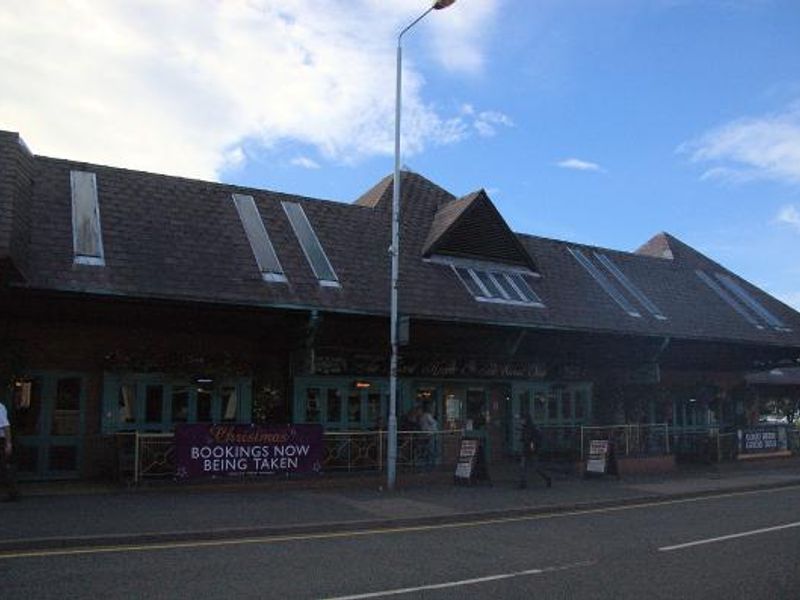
(627, 440)
(136, 458)
(380, 450)
(582, 443)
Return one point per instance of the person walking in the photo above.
(531, 448)
(8, 475)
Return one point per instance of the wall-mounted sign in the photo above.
(204, 450)
(466, 368)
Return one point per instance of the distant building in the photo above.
(134, 301)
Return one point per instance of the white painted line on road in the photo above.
(463, 582)
(732, 536)
(369, 532)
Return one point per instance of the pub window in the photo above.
(203, 406)
(374, 408)
(334, 408)
(312, 405)
(539, 407)
(180, 404)
(66, 416)
(566, 405)
(354, 407)
(154, 404)
(28, 402)
(580, 405)
(127, 403)
(230, 402)
(552, 406)
(86, 233)
(524, 404)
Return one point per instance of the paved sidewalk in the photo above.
(66, 515)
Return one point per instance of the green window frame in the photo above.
(341, 404)
(158, 402)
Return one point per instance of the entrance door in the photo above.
(48, 413)
(476, 407)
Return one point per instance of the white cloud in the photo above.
(789, 215)
(304, 162)
(486, 122)
(178, 86)
(766, 147)
(579, 165)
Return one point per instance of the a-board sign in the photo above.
(471, 464)
(467, 458)
(598, 457)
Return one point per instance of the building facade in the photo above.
(134, 301)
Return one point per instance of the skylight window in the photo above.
(87, 239)
(758, 308)
(502, 287)
(257, 235)
(728, 299)
(632, 289)
(310, 243)
(604, 283)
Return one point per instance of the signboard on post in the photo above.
(206, 450)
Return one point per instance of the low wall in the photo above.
(646, 465)
(641, 465)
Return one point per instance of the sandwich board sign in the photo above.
(470, 465)
(597, 463)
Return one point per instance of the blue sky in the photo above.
(602, 122)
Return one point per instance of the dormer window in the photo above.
(87, 236)
(495, 283)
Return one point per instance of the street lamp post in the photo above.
(391, 454)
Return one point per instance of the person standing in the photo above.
(531, 447)
(7, 468)
(429, 424)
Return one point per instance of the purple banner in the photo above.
(205, 450)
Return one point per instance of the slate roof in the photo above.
(181, 239)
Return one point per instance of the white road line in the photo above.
(732, 536)
(158, 546)
(463, 582)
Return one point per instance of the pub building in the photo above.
(135, 301)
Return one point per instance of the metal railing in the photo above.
(153, 454)
(635, 440)
(706, 444)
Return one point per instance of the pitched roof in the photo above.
(472, 227)
(181, 239)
